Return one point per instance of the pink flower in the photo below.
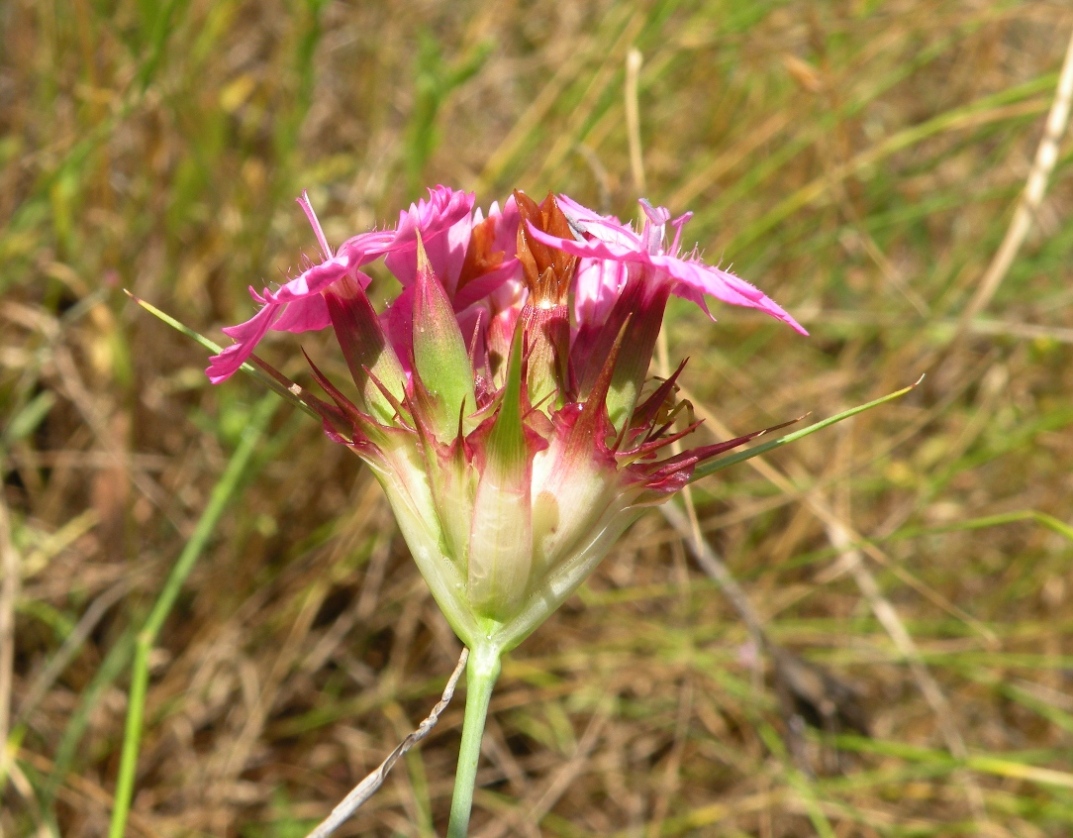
(515, 439)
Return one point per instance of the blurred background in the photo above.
(862, 162)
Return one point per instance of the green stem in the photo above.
(481, 673)
(223, 492)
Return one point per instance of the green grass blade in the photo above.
(222, 494)
(271, 378)
(742, 456)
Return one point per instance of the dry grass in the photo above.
(860, 161)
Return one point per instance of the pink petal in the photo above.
(444, 222)
(312, 281)
(604, 227)
(479, 289)
(622, 249)
(366, 247)
(599, 283)
(690, 278)
(247, 335)
(298, 305)
(695, 277)
(397, 322)
(308, 315)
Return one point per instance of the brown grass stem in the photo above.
(375, 779)
(1031, 197)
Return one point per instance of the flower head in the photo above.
(502, 398)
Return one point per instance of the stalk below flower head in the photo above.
(502, 399)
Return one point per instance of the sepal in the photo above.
(440, 354)
(366, 348)
(501, 532)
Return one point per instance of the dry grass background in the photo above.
(860, 161)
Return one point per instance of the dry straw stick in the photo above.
(9, 592)
(1031, 198)
(367, 787)
(687, 525)
(10, 582)
(71, 646)
(845, 539)
(712, 565)
(634, 59)
(839, 533)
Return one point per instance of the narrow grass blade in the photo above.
(267, 375)
(1000, 766)
(1042, 518)
(222, 494)
(742, 456)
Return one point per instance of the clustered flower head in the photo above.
(502, 399)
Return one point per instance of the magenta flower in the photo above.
(502, 399)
